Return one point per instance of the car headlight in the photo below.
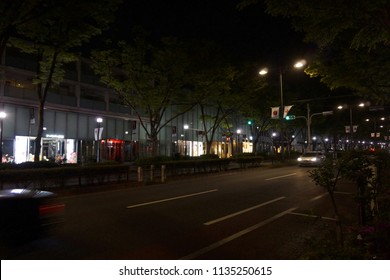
(299, 159)
(314, 159)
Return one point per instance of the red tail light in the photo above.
(48, 209)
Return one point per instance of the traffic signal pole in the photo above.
(308, 123)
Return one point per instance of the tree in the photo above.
(150, 79)
(364, 72)
(219, 89)
(211, 88)
(323, 22)
(212, 94)
(257, 107)
(352, 38)
(16, 13)
(51, 38)
(327, 176)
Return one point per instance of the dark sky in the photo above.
(249, 34)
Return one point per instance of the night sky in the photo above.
(249, 34)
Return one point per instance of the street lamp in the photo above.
(351, 130)
(238, 141)
(193, 144)
(98, 136)
(3, 115)
(264, 71)
(186, 127)
(308, 123)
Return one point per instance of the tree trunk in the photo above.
(38, 139)
(42, 94)
(339, 230)
(155, 144)
(254, 145)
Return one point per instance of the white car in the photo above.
(312, 158)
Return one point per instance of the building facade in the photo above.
(71, 131)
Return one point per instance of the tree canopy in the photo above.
(352, 38)
(51, 37)
(149, 78)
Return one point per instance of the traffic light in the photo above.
(291, 117)
(250, 122)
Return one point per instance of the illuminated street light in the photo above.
(3, 115)
(351, 128)
(300, 64)
(341, 107)
(200, 132)
(238, 141)
(98, 136)
(264, 71)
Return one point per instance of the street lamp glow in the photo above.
(238, 131)
(3, 115)
(361, 104)
(98, 132)
(300, 64)
(186, 126)
(263, 71)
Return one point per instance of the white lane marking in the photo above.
(311, 216)
(319, 196)
(235, 236)
(274, 178)
(325, 194)
(171, 198)
(242, 211)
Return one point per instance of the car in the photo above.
(25, 213)
(311, 158)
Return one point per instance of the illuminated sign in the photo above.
(55, 136)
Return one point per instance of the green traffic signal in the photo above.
(249, 122)
(291, 117)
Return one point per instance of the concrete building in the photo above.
(71, 130)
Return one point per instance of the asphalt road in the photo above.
(260, 213)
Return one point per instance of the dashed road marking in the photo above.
(279, 177)
(170, 199)
(242, 211)
(236, 235)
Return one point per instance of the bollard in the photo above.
(162, 173)
(151, 173)
(140, 175)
